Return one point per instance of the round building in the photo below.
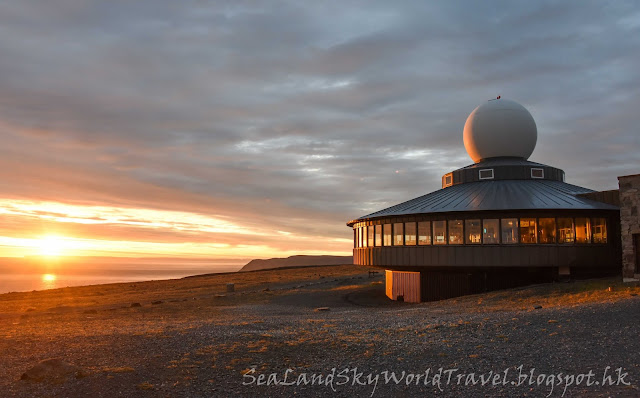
(501, 222)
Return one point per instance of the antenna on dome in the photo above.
(498, 97)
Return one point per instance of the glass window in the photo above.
(398, 234)
(456, 236)
(378, 235)
(528, 230)
(386, 239)
(439, 232)
(410, 234)
(537, 173)
(509, 230)
(355, 237)
(473, 231)
(583, 230)
(365, 242)
(565, 230)
(486, 174)
(547, 230)
(424, 233)
(599, 230)
(447, 180)
(490, 231)
(370, 238)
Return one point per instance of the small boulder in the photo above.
(53, 370)
(157, 302)
(537, 307)
(133, 305)
(323, 309)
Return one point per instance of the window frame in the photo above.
(480, 177)
(446, 184)
(541, 177)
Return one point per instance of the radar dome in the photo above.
(500, 128)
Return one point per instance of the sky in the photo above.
(257, 129)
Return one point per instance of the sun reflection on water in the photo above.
(49, 281)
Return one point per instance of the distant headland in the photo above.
(296, 261)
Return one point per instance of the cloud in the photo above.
(297, 118)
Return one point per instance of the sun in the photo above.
(51, 246)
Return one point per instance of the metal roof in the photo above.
(497, 195)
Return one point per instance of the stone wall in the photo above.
(629, 223)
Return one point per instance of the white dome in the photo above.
(500, 127)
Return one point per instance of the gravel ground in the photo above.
(211, 346)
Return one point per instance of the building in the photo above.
(630, 226)
(501, 222)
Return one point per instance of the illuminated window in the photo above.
(565, 230)
(547, 230)
(485, 174)
(378, 235)
(447, 180)
(386, 235)
(424, 233)
(439, 232)
(473, 232)
(370, 233)
(537, 173)
(509, 230)
(355, 237)
(398, 234)
(599, 230)
(528, 230)
(490, 231)
(583, 230)
(456, 236)
(410, 234)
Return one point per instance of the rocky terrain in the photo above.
(318, 331)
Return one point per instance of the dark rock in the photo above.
(266, 289)
(323, 309)
(537, 307)
(133, 305)
(157, 302)
(52, 370)
(634, 294)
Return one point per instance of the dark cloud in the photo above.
(300, 117)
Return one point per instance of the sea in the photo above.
(53, 279)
